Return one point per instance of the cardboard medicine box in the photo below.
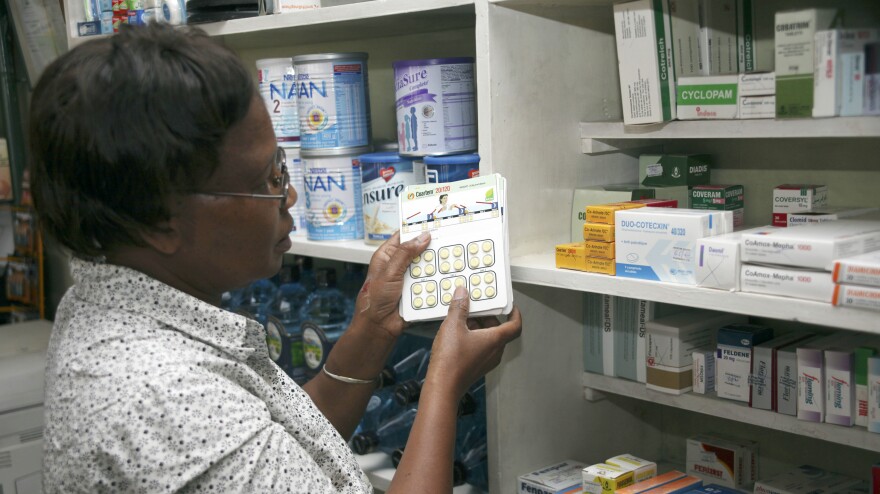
(704, 371)
(643, 33)
(642, 469)
(674, 338)
(798, 198)
(757, 84)
(602, 194)
(707, 98)
(766, 369)
(725, 461)
(719, 261)
(787, 282)
(795, 58)
(720, 198)
(598, 232)
(605, 213)
(674, 169)
(734, 359)
(646, 485)
(687, 52)
(560, 478)
(812, 246)
(718, 31)
(752, 107)
(863, 269)
(803, 480)
(605, 478)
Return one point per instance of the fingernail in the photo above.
(460, 293)
(424, 237)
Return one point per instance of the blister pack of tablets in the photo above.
(468, 225)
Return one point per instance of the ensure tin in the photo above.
(442, 169)
(334, 207)
(383, 177)
(333, 102)
(296, 171)
(278, 89)
(436, 108)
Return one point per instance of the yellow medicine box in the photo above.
(604, 213)
(601, 266)
(602, 250)
(571, 256)
(598, 232)
(604, 478)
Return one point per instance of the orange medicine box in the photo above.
(601, 266)
(657, 481)
(598, 232)
(604, 213)
(677, 486)
(602, 250)
(572, 256)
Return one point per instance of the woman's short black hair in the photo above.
(118, 125)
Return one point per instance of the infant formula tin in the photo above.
(333, 101)
(297, 172)
(278, 89)
(436, 108)
(442, 169)
(383, 178)
(334, 205)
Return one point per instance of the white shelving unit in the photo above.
(856, 437)
(380, 471)
(549, 121)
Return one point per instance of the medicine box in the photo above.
(605, 213)
(704, 371)
(860, 297)
(660, 244)
(795, 58)
(646, 485)
(601, 194)
(765, 369)
(754, 38)
(674, 169)
(757, 84)
(814, 245)
(679, 193)
(719, 262)
(862, 354)
(571, 256)
(839, 79)
(644, 60)
(874, 394)
(753, 107)
(671, 380)
(840, 390)
(863, 269)
(561, 478)
(811, 381)
(787, 282)
(642, 469)
(680, 486)
(598, 232)
(804, 479)
(718, 32)
(601, 266)
(715, 489)
(798, 198)
(673, 338)
(830, 214)
(707, 97)
(685, 21)
(720, 198)
(734, 358)
(658, 203)
(721, 460)
(787, 376)
(604, 478)
(596, 319)
(631, 318)
(602, 250)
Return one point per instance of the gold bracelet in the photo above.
(347, 380)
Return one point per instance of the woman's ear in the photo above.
(164, 238)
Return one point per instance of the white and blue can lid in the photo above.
(454, 159)
(384, 157)
(402, 64)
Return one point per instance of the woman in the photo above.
(155, 163)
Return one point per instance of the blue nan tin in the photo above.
(443, 169)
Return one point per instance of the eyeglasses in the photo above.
(279, 182)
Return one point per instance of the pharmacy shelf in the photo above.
(540, 269)
(356, 21)
(600, 137)
(857, 437)
(339, 250)
(379, 470)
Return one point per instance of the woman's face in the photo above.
(232, 241)
(443, 200)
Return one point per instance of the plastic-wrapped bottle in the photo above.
(258, 297)
(291, 298)
(391, 435)
(471, 459)
(325, 317)
(380, 408)
(408, 393)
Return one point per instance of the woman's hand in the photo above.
(379, 298)
(466, 349)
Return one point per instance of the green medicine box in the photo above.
(674, 169)
(717, 197)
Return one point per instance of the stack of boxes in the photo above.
(857, 281)
(795, 199)
(720, 198)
